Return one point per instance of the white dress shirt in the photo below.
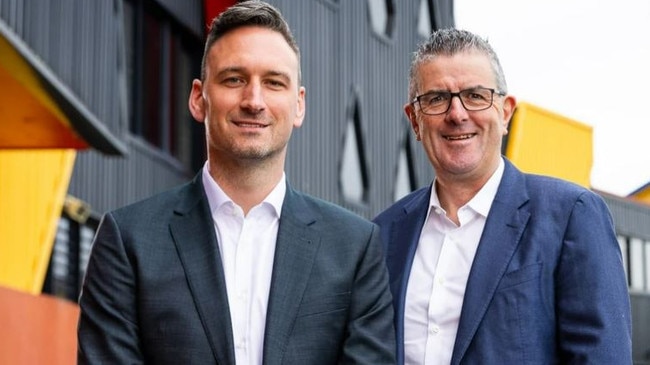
(247, 248)
(438, 277)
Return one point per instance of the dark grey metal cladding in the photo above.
(631, 218)
(71, 57)
(79, 41)
(346, 63)
(189, 13)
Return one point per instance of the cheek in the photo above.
(284, 109)
(503, 128)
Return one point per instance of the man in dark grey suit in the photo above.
(236, 267)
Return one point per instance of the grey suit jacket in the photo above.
(155, 292)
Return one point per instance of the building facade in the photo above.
(127, 66)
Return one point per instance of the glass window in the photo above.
(636, 264)
(622, 243)
(181, 138)
(424, 19)
(129, 48)
(162, 59)
(351, 177)
(353, 174)
(86, 235)
(381, 14)
(152, 80)
(405, 177)
(646, 249)
(69, 258)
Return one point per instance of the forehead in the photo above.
(252, 48)
(455, 72)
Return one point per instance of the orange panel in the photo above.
(37, 329)
(27, 122)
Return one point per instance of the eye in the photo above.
(477, 95)
(434, 98)
(233, 81)
(276, 84)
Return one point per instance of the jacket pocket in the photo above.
(520, 276)
(322, 304)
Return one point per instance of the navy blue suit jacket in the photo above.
(547, 285)
(155, 290)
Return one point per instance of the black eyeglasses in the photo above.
(439, 102)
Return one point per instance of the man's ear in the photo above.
(196, 102)
(300, 108)
(409, 110)
(509, 105)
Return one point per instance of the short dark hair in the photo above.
(248, 13)
(448, 42)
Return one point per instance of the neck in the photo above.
(455, 193)
(246, 185)
(452, 196)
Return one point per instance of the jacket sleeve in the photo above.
(371, 338)
(108, 327)
(592, 300)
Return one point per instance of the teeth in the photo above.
(456, 138)
(250, 125)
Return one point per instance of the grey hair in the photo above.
(449, 42)
(248, 13)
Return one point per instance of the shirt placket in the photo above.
(243, 290)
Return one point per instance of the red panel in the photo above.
(37, 329)
(215, 7)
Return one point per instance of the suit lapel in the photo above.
(405, 235)
(196, 244)
(503, 229)
(295, 251)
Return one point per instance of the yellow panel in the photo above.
(642, 196)
(546, 143)
(33, 185)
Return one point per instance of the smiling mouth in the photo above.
(249, 125)
(459, 137)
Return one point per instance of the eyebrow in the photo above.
(280, 74)
(242, 70)
(448, 91)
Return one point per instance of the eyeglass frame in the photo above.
(451, 96)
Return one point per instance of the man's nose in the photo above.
(253, 97)
(456, 109)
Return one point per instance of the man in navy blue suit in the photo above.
(489, 265)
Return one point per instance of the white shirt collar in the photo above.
(482, 201)
(217, 197)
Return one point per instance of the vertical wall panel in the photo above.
(82, 41)
(187, 12)
(340, 54)
(630, 218)
(75, 39)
